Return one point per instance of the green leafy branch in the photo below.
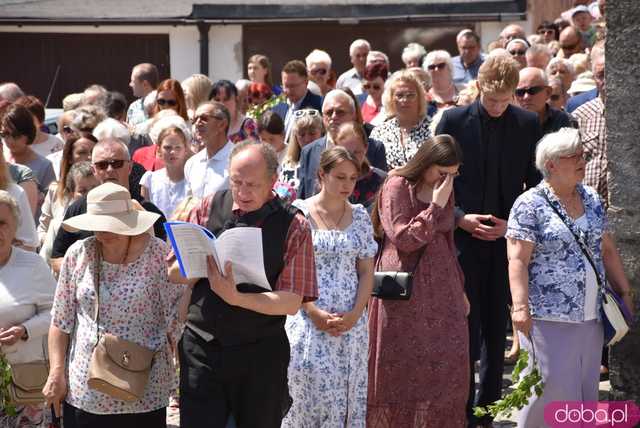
(5, 380)
(257, 111)
(522, 391)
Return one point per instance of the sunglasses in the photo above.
(440, 66)
(518, 52)
(67, 129)
(533, 90)
(163, 102)
(306, 112)
(320, 71)
(114, 163)
(367, 86)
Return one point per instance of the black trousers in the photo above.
(487, 286)
(247, 381)
(76, 418)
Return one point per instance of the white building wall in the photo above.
(225, 52)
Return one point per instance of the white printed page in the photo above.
(193, 243)
(243, 247)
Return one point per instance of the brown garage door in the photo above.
(31, 60)
(282, 42)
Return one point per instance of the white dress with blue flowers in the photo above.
(328, 375)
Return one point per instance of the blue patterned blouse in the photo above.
(557, 271)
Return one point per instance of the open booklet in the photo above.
(242, 246)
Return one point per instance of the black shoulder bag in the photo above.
(393, 285)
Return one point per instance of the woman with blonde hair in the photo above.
(196, 91)
(307, 127)
(404, 100)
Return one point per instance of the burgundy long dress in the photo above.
(418, 348)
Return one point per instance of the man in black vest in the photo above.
(498, 141)
(234, 353)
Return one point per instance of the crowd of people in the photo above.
(448, 171)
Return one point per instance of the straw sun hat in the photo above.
(111, 209)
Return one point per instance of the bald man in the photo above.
(570, 42)
(532, 94)
(510, 32)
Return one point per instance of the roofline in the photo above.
(484, 10)
(20, 22)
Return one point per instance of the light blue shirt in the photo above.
(558, 268)
(462, 74)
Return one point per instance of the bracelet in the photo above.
(520, 309)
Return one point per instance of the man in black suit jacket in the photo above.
(294, 87)
(338, 108)
(498, 141)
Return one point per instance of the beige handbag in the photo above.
(28, 375)
(119, 368)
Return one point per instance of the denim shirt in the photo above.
(557, 270)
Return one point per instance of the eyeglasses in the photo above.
(587, 156)
(306, 112)
(518, 52)
(320, 71)
(439, 66)
(367, 86)
(336, 111)
(533, 90)
(113, 163)
(405, 96)
(163, 102)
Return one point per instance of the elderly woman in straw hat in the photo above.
(112, 284)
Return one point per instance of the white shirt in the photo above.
(591, 283)
(164, 193)
(55, 159)
(206, 175)
(26, 292)
(26, 226)
(51, 145)
(350, 79)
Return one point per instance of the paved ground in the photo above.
(173, 418)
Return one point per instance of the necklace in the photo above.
(572, 203)
(322, 219)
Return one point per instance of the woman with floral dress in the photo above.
(328, 367)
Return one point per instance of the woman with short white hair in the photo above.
(319, 67)
(413, 54)
(404, 101)
(562, 68)
(443, 92)
(26, 295)
(554, 286)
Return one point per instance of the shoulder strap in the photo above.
(96, 285)
(583, 246)
(380, 249)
